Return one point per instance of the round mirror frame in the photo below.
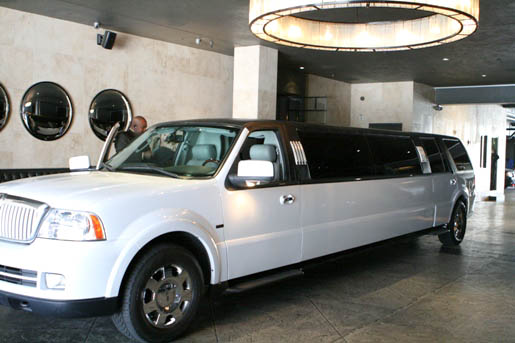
(92, 108)
(69, 112)
(6, 109)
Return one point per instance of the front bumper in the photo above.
(86, 267)
(58, 308)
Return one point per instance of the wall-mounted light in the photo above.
(279, 22)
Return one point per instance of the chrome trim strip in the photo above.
(303, 154)
(298, 153)
(20, 277)
(295, 152)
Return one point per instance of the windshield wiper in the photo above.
(107, 166)
(149, 168)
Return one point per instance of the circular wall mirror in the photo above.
(4, 107)
(107, 108)
(46, 111)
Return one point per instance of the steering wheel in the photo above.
(211, 160)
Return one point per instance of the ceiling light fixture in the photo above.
(445, 59)
(280, 22)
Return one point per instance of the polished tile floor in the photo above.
(408, 291)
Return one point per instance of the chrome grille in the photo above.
(20, 218)
(18, 276)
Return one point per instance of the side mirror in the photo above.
(253, 173)
(79, 163)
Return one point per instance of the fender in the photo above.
(462, 191)
(158, 223)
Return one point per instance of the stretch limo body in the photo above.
(196, 203)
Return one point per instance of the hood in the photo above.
(74, 190)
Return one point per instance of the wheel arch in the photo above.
(187, 234)
(180, 238)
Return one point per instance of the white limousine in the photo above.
(196, 204)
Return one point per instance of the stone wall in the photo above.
(162, 81)
(338, 98)
(390, 102)
(469, 123)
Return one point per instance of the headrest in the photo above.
(204, 152)
(263, 152)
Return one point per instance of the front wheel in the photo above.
(161, 296)
(457, 226)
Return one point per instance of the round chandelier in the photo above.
(283, 22)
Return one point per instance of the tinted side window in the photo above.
(459, 154)
(336, 156)
(433, 154)
(394, 155)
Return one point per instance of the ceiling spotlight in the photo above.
(445, 59)
(96, 25)
(302, 68)
(484, 75)
(281, 22)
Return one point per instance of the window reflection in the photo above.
(107, 108)
(4, 107)
(46, 111)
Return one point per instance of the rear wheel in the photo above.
(457, 226)
(161, 296)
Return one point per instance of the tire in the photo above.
(161, 296)
(457, 226)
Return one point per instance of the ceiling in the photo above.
(490, 51)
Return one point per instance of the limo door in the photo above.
(262, 224)
(353, 199)
(443, 180)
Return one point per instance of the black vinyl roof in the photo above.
(254, 123)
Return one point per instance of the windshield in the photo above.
(176, 151)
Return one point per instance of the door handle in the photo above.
(453, 182)
(287, 199)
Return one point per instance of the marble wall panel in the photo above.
(338, 98)
(162, 81)
(390, 102)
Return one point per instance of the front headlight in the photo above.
(72, 226)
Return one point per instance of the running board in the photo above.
(247, 285)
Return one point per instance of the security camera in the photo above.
(437, 107)
(106, 40)
(96, 25)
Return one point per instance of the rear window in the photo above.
(394, 155)
(336, 156)
(459, 154)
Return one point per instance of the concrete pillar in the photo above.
(255, 82)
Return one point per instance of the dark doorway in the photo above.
(495, 158)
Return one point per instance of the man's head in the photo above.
(139, 125)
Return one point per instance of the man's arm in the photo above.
(122, 140)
